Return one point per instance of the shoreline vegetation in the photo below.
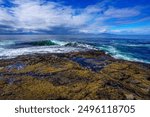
(77, 75)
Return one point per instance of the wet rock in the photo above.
(17, 66)
(12, 81)
(76, 75)
(113, 84)
(94, 64)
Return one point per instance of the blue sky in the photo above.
(75, 16)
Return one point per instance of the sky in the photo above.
(75, 17)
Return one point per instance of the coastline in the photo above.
(77, 75)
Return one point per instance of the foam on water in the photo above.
(61, 43)
(12, 53)
(119, 54)
(46, 46)
(80, 45)
(136, 45)
(131, 50)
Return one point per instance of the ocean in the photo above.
(131, 48)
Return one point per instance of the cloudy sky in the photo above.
(75, 16)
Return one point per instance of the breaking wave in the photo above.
(118, 54)
(48, 46)
(60, 43)
(11, 48)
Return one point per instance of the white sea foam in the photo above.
(80, 45)
(120, 55)
(60, 47)
(61, 43)
(136, 45)
(65, 47)
(12, 53)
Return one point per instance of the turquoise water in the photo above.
(132, 48)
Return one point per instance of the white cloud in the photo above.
(93, 9)
(34, 15)
(143, 30)
(121, 13)
(94, 28)
(3, 14)
(5, 17)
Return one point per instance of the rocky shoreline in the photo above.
(77, 75)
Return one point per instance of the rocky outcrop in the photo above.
(78, 75)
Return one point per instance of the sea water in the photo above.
(131, 48)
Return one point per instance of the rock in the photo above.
(76, 75)
(135, 81)
(130, 96)
(1, 68)
(17, 66)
